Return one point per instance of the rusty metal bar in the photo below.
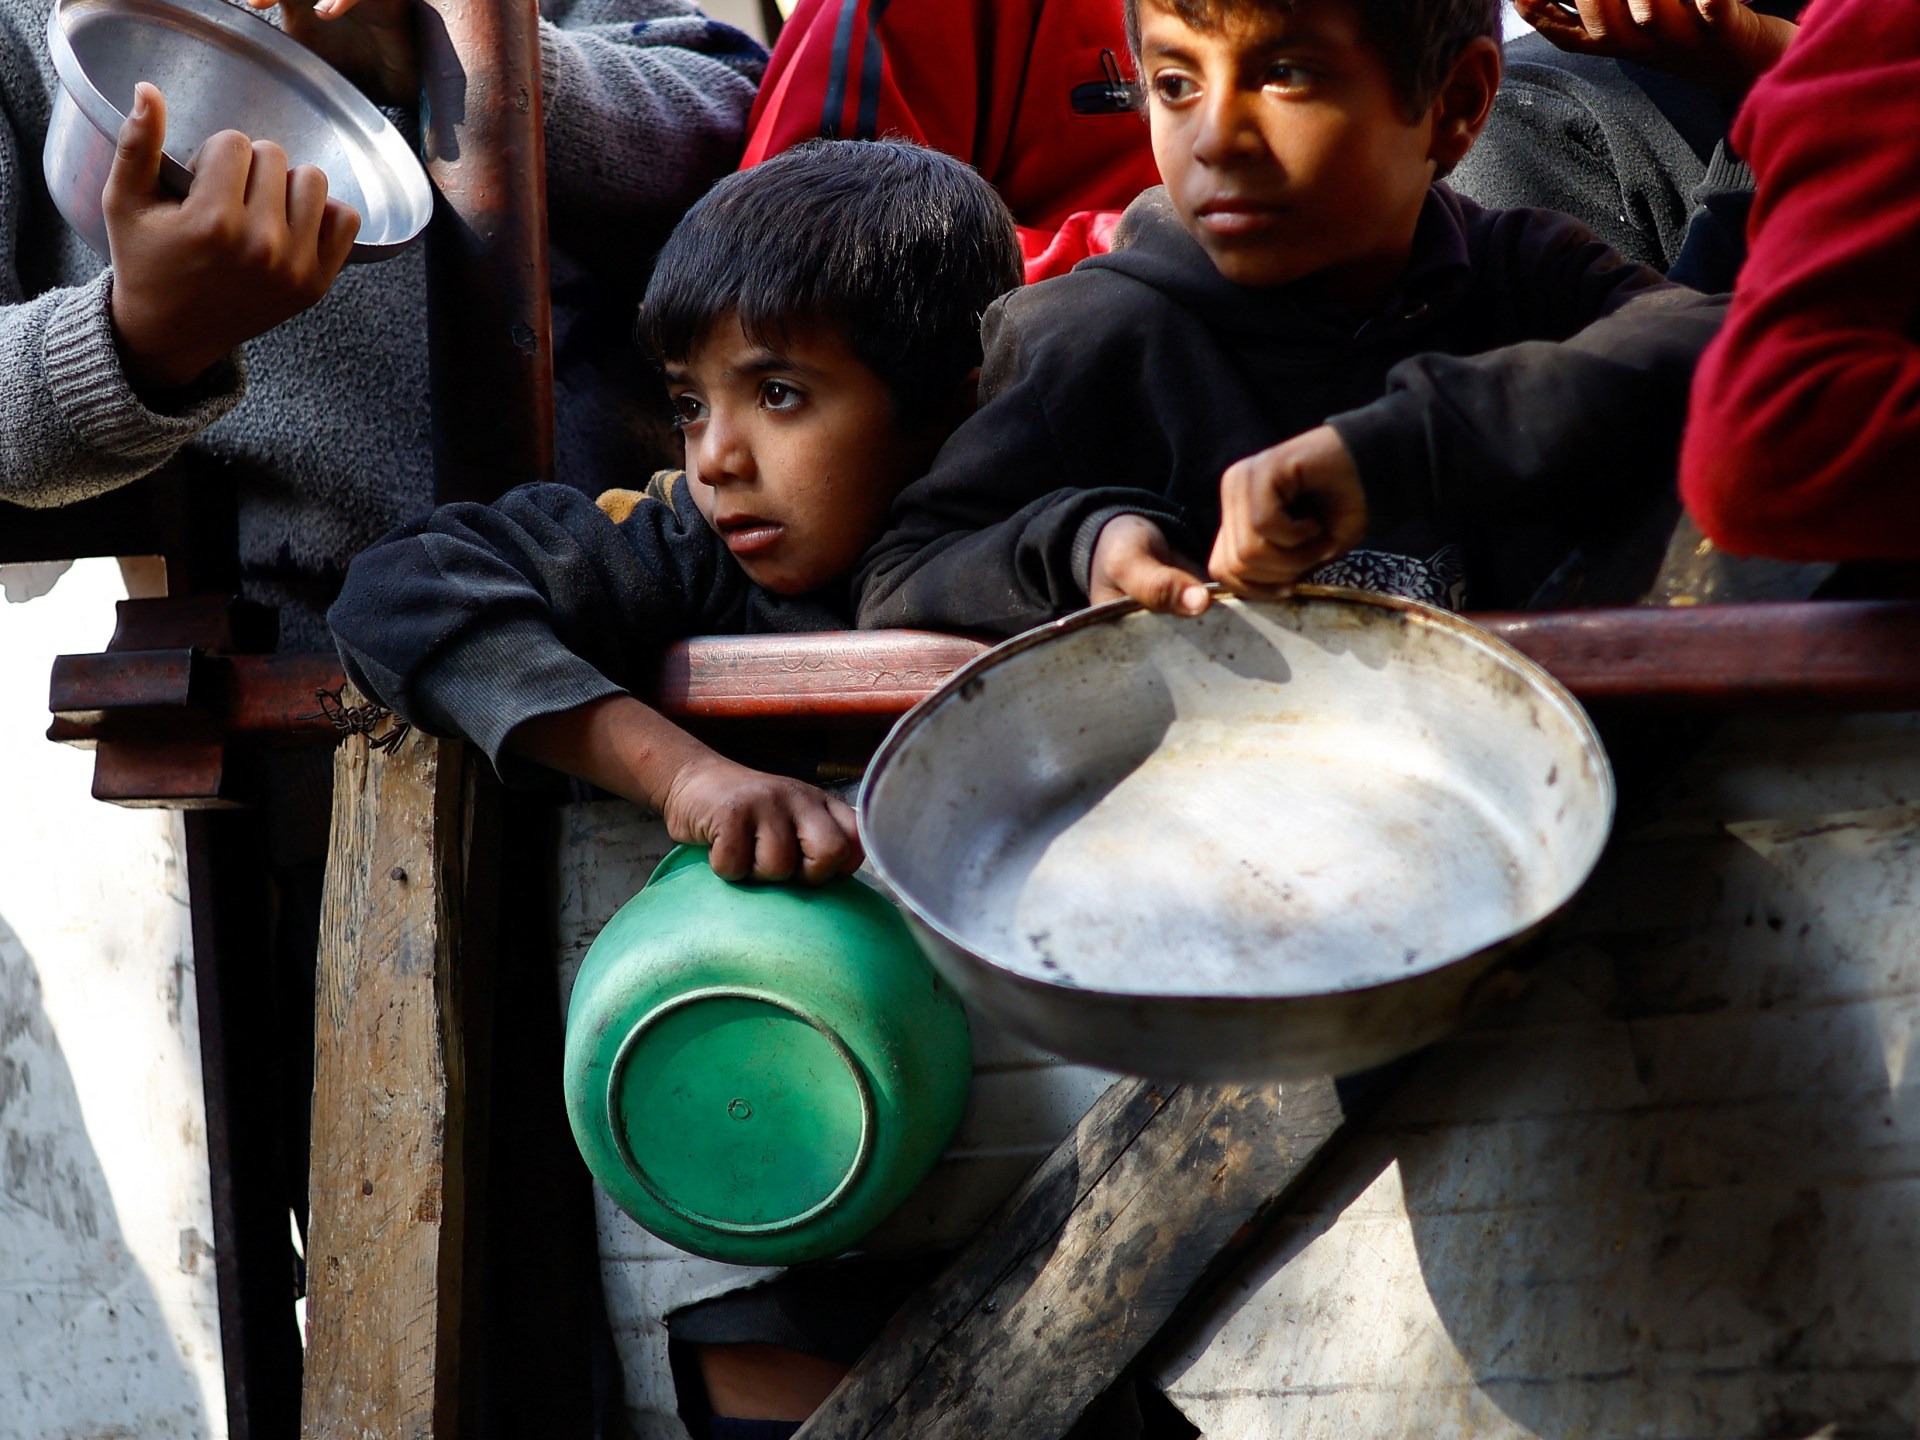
(1821, 655)
(489, 308)
(1833, 656)
(876, 674)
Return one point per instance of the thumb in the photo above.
(135, 176)
(1162, 587)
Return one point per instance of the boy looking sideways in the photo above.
(817, 318)
(1300, 343)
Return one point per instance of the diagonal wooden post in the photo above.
(398, 1009)
(1080, 1269)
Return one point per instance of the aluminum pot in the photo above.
(1278, 840)
(220, 68)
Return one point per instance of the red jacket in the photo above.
(1804, 436)
(1022, 90)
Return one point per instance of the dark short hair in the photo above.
(898, 246)
(1418, 39)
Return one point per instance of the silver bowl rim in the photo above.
(383, 139)
(1115, 610)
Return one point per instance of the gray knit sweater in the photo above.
(324, 424)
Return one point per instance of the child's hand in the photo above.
(1286, 510)
(371, 42)
(762, 827)
(1132, 561)
(252, 244)
(1718, 43)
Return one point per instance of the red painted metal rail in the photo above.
(1842, 655)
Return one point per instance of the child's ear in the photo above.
(1465, 100)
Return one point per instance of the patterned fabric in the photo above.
(1440, 579)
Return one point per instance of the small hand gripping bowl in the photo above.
(1275, 841)
(761, 1073)
(220, 68)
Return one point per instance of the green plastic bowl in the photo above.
(761, 1073)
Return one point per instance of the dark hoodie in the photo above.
(1522, 387)
(478, 618)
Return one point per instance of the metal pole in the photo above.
(490, 323)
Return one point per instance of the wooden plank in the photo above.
(390, 1177)
(1083, 1266)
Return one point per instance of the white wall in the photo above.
(108, 1322)
(742, 14)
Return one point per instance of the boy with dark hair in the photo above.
(1300, 342)
(817, 320)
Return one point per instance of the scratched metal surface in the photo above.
(1675, 1190)
(1269, 802)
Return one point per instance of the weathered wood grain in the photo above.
(1084, 1264)
(390, 1124)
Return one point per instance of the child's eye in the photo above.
(688, 410)
(778, 395)
(1170, 88)
(1285, 77)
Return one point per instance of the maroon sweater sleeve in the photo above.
(1804, 436)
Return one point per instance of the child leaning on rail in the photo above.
(817, 321)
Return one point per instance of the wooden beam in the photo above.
(1079, 1270)
(391, 1123)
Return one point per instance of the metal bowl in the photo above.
(220, 68)
(1276, 841)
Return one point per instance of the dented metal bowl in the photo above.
(220, 68)
(1277, 840)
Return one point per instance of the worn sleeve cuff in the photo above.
(90, 389)
(495, 680)
(1088, 535)
(1727, 174)
(1387, 440)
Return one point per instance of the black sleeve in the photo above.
(1569, 428)
(1716, 243)
(995, 537)
(482, 617)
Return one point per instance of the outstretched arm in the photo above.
(766, 827)
(1575, 427)
(1804, 438)
(999, 535)
(518, 624)
(102, 383)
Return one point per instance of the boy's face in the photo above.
(1284, 147)
(794, 454)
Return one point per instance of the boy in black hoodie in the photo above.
(1300, 344)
